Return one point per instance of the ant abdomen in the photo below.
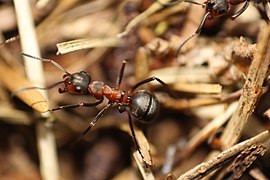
(144, 106)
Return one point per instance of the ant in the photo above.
(217, 8)
(141, 104)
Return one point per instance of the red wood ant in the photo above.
(217, 8)
(141, 104)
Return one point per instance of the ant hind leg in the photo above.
(134, 137)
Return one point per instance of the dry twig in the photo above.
(205, 168)
(251, 90)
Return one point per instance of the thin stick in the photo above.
(34, 71)
(205, 168)
(203, 134)
(79, 44)
(151, 10)
(251, 91)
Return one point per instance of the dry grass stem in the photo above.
(205, 168)
(251, 90)
(182, 104)
(144, 15)
(34, 71)
(208, 130)
(199, 88)
(183, 75)
(14, 116)
(80, 44)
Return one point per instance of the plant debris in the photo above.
(214, 110)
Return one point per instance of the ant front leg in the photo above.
(82, 104)
(121, 74)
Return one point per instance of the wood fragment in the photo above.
(13, 81)
(245, 159)
(217, 161)
(251, 90)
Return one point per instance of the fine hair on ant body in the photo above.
(141, 104)
(217, 8)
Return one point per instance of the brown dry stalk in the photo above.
(134, 22)
(251, 90)
(205, 168)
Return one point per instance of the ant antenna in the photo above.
(178, 1)
(17, 91)
(199, 29)
(47, 60)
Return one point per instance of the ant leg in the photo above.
(134, 136)
(98, 116)
(238, 13)
(153, 78)
(84, 104)
(121, 74)
(199, 29)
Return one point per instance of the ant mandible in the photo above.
(141, 104)
(216, 8)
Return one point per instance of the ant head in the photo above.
(144, 106)
(76, 83)
(217, 8)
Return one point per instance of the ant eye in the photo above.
(222, 11)
(78, 88)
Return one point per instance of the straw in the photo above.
(34, 71)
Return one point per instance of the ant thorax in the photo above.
(99, 89)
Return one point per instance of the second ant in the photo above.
(217, 8)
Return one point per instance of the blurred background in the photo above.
(205, 79)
